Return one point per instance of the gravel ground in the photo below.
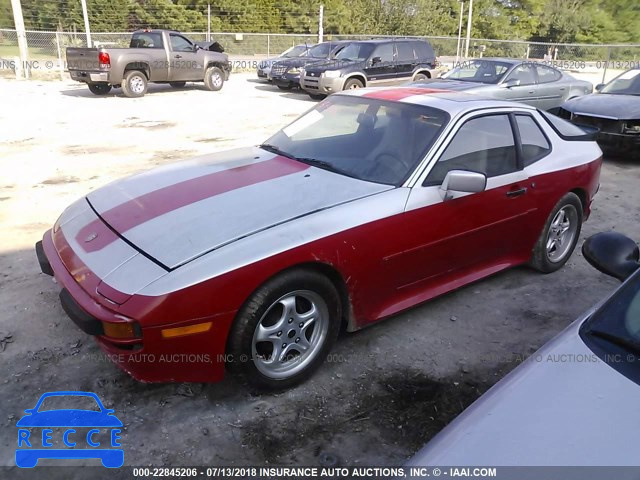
(382, 394)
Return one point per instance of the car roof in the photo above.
(453, 102)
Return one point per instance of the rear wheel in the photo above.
(177, 84)
(352, 84)
(134, 84)
(421, 77)
(213, 79)
(285, 330)
(99, 88)
(559, 236)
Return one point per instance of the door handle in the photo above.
(531, 91)
(516, 193)
(178, 56)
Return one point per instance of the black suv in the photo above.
(285, 74)
(370, 63)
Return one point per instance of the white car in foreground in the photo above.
(576, 401)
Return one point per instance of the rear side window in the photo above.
(146, 40)
(534, 144)
(424, 51)
(385, 52)
(405, 52)
(568, 131)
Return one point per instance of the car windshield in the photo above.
(356, 52)
(626, 84)
(322, 50)
(480, 71)
(368, 139)
(616, 325)
(297, 51)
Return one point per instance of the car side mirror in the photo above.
(462, 181)
(376, 60)
(612, 253)
(599, 87)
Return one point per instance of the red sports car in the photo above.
(370, 203)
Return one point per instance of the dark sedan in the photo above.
(533, 83)
(615, 110)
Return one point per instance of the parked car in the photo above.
(533, 83)
(257, 257)
(615, 110)
(264, 67)
(573, 402)
(156, 56)
(370, 63)
(285, 74)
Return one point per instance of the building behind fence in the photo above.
(49, 47)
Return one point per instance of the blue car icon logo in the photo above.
(69, 433)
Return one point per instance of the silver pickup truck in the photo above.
(156, 56)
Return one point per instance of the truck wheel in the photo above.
(134, 84)
(353, 83)
(177, 84)
(99, 88)
(213, 79)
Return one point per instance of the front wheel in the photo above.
(352, 84)
(99, 88)
(134, 84)
(285, 330)
(213, 79)
(559, 236)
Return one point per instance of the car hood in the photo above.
(619, 107)
(179, 212)
(457, 85)
(69, 418)
(562, 407)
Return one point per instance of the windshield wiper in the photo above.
(625, 343)
(320, 164)
(273, 149)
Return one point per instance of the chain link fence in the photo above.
(46, 50)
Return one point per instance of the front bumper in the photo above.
(150, 357)
(322, 85)
(286, 80)
(619, 143)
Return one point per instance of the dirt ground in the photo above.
(381, 395)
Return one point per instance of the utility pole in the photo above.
(466, 50)
(208, 22)
(86, 22)
(320, 20)
(459, 31)
(22, 36)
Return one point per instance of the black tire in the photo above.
(421, 77)
(353, 83)
(265, 300)
(134, 84)
(177, 84)
(317, 96)
(541, 258)
(99, 88)
(213, 79)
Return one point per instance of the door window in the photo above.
(524, 73)
(405, 52)
(547, 74)
(483, 144)
(534, 144)
(385, 52)
(180, 44)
